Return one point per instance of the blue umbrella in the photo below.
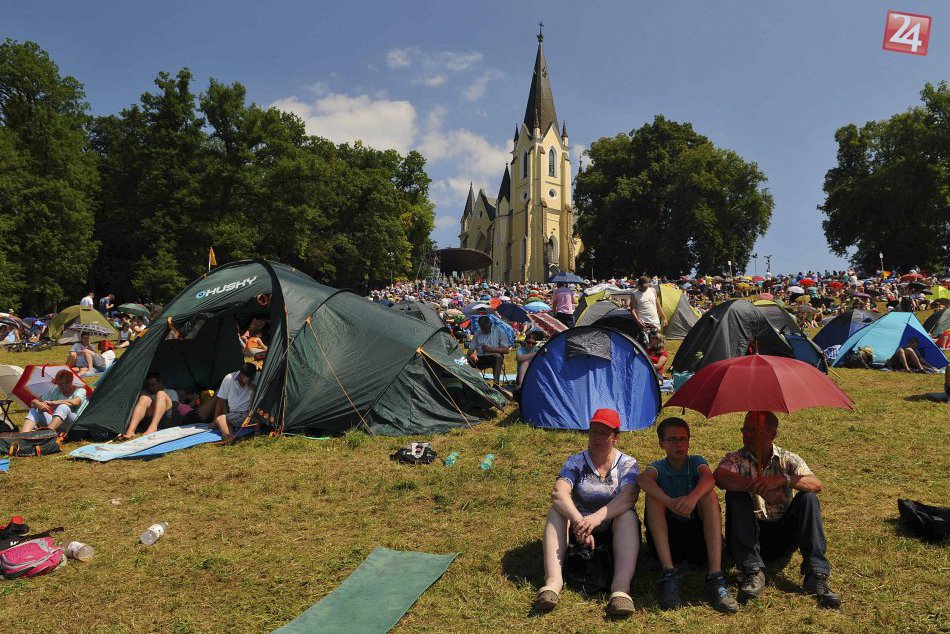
(566, 278)
(513, 312)
(537, 307)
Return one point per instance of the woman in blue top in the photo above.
(594, 497)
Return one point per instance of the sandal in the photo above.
(620, 605)
(546, 599)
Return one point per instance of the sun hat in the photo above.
(608, 417)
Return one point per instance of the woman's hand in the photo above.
(585, 526)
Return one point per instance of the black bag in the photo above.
(38, 442)
(588, 570)
(415, 453)
(930, 523)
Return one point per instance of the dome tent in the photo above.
(335, 360)
(79, 315)
(606, 313)
(839, 328)
(888, 333)
(938, 322)
(680, 316)
(583, 369)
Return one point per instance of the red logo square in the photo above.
(906, 33)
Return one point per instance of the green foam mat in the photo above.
(375, 596)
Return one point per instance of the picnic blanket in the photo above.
(5, 464)
(161, 442)
(375, 596)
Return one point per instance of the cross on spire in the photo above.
(540, 33)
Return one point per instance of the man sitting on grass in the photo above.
(763, 519)
(683, 517)
(488, 348)
(233, 399)
(157, 404)
(84, 358)
(59, 405)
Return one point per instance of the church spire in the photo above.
(470, 203)
(540, 97)
(504, 192)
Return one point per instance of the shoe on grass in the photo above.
(546, 599)
(668, 587)
(718, 594)
(752, 584)
(817, 584)
(620, 605)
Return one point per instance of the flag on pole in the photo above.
(211, 260)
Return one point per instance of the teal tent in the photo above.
(888, 333)
(335, 360)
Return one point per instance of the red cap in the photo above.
(608, 417)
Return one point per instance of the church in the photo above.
(528, 228)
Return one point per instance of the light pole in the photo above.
(880, 255)
(755, 264)
(391, 256)
(591, 258)
(768, 266)
(730, 268)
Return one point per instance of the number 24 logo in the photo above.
(907, 33)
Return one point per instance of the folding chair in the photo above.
(5, 420)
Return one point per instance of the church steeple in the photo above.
(504, 191)
(540, 97)
(470, 203)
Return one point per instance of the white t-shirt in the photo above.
(86, 302)
(647, 306)
(109, 356)
(238, 398)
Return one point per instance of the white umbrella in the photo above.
(37, 380)
(796, 289)
(9, 375)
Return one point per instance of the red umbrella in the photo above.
(910, 277)
(835, 285)
(767, 297)
(806, 282)
(758, 383)
(758, 278)
(548, 324)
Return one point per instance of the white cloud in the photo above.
(379, 123)
(476, 89)
(431, 80)
(399, 58)
(470, 153)
(446, 223)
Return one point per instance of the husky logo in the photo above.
(226, 288)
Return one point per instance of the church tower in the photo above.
(532, 224)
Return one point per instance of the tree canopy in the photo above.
(131, 202)
(890, 191)
(664, 199)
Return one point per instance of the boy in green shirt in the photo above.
(683, 517)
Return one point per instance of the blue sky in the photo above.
(770, 80)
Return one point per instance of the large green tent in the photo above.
(77, 314)
(335, 361)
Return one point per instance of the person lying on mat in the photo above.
(233, 400)
(771, 511)
(683, 517)
(57, 406)
(84, 358)
(155, 404)
(593, 502)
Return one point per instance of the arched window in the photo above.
(524, 165)
(552, 163)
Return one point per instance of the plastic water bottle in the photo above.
(154, 533)
(79, 551)
(488, 461)
(451, 458)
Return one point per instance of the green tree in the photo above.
(48, 179)
(663, 199)
(890, 191)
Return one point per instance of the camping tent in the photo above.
(583, 369)
(606, 313)
(9, 375)
(780, 318)
(419, 310)
(335, 360)
(731, 329)
(938, 322)
(837, 329)
(888, 333)
(79, 315)
(680, 316)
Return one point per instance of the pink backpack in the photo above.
(30, 558)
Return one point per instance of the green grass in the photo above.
(261, 530)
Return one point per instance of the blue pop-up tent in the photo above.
(837, 331)
(584, 369)
(888, 333)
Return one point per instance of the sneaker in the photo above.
(817, 584)
(668, 587)
(718, 594)
(752, 584)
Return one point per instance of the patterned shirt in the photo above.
(589, 491)
(783, 463)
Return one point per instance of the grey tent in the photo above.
(937, 323)
(607, 314)
(419, 310)
(780, 318)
